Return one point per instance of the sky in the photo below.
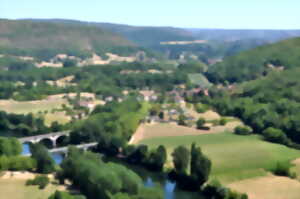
(227, 14)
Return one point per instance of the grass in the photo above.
(233, 157)
(16, 189)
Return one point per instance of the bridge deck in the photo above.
(26, 139)
(65, 149)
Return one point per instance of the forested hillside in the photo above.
(270, 105)
(254, 63)
(45, 40)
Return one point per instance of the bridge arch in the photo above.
(48, 142)
(62, 141)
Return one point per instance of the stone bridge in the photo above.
(64, 150)
(53, 137)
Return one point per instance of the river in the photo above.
(150, 179)
(58, 158)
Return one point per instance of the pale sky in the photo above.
(230, 14)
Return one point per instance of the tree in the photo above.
(98, 179)
(69, 63)
(10, 146)
(157, 158)
(161, 115)
(139, 155)
(181, 159)
(200, 123)
(56, 127)
(200, 166)
(45, 163)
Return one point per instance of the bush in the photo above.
(243, 130)
(182, 120)
(217, 191)
(41, 181)
(223, 121)
(283, 169)
(276, 135)
(200, 123)
(201, 108)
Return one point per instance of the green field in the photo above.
(234, 157)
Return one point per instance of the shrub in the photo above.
(283, 169)
(200, 123)
(41, 181)
(223, 121)
(243, 130)
(182, 120)
(217, 191)
(276, 135)
(201, 108)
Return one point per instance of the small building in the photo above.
(148, 95)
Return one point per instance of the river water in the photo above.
(150, 179)
(58, 158)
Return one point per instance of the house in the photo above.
(87, 104)
(148, 95)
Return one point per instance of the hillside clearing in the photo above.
(234, 157)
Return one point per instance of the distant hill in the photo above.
(140, 35)
(218, 43)
(234, 35)
(254, 63)
(44, 39)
